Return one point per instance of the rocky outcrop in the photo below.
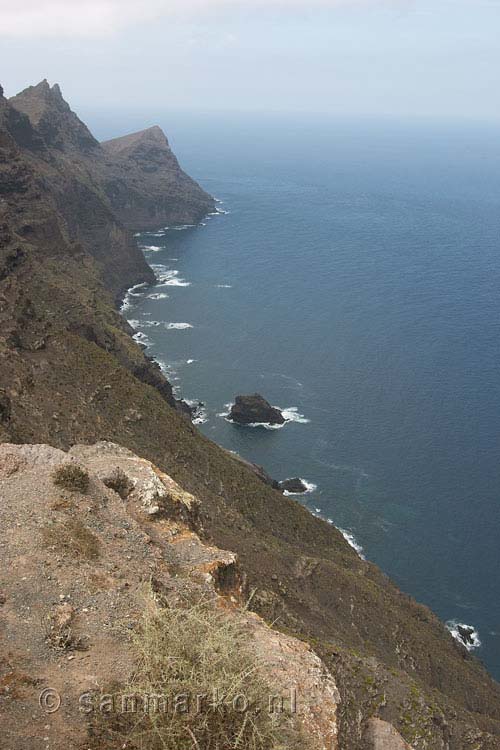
(66, 162)
(380, 735)
(293, 486)
(254, 409)
(146, 186)
(52, 118)
(104, 191)
(73, 585)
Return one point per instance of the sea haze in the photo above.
(355, 278)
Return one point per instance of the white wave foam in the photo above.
(130, 294)
(144, 323)
(225, 414)
(224, 286)
(152, 248)
(200, 415)
(149, 323)
(158, 295)
(218, 212)
(350, 539)
(183, 226)
(469, 638)
(310, 487)
(292, 414)
(177, 326)
(141, 338)
(170, 277)
(265, 425)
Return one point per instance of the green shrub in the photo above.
(71, 477)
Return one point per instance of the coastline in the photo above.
(195, 409)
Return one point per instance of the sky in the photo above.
(390, 58)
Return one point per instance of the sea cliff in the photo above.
(70, 373)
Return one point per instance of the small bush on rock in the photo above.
(119, 482)
(71, 477)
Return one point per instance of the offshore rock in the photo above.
(254, 409)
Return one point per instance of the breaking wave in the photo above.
(467, 635)
(177, 326)
(310, 487)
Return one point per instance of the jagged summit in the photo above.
(52, 116)
(137, 174)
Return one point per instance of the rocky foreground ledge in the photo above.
(86, 537)
(79, 553)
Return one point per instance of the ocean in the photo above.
(354, 278)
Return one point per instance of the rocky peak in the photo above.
(127, 145)
(52, 116)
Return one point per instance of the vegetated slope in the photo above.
(70, 372)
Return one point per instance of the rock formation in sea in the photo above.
(254, 409)
(74, 564)
(295, 486)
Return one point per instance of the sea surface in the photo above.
(355, 279)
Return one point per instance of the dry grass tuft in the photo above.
(71, 477)
(203, 656)
(72, 536)
(119, 482)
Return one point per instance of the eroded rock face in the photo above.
(66, 614)
(254, 409)
(103, 190)
(147, 187)
(380, 735)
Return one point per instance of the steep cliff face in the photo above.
(68, 164)
(138, 174)
(146, 186)
(70, 373)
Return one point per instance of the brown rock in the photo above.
(380, 735)
(254, 409)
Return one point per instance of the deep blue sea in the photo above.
(355, 277)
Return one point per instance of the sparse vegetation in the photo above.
(119, 482)
(72, 536)
(198, 661)
(71, 477)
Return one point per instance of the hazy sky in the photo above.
(436, 58)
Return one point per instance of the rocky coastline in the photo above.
(72, 375)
